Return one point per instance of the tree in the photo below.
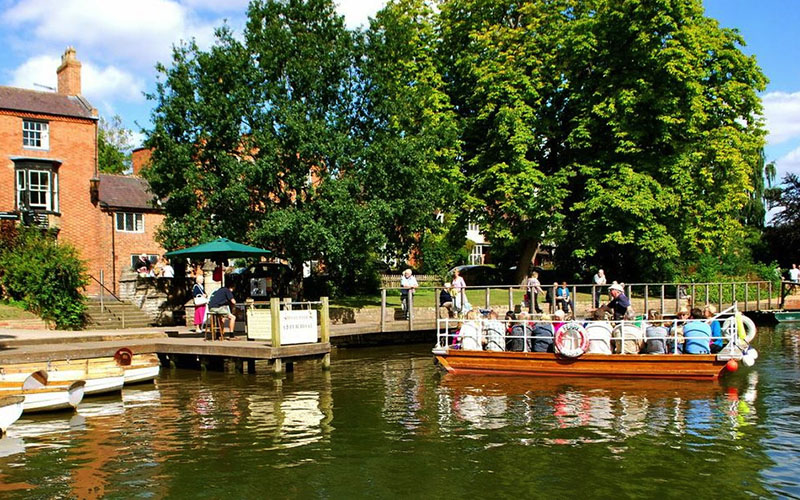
(114, 143)
(409, 131)
(626, 131)
(252, 141)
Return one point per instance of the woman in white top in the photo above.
(471, 336)
(598, 333)
(460, 293)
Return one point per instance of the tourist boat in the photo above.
(137, 368)
(570, 358)
(786, 316)
(41, 394)
(99, 380)
(10, 411)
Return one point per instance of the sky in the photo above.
(119, 43)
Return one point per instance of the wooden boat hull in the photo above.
(10, 411)
(140, 367)
(49, 397)
(99, 380)
(626, 366)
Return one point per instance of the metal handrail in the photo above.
(105, 288)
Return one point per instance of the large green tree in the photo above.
(409, 130)
(252, 140)
(632, 126)
(114, 143)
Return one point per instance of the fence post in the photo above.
(662, 299)
(746, 294)
(733, 293)
(574, 298)
(758, 295)
(677, 297)
(595, 302)
(325, 332)
(383, 310)
(719, 296)
(646, 301)
(488, 299)
(694, 297)
(707, 296)
(510, 299)
(410, 310)
(769, 297)
(275, 316)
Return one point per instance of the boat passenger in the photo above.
(558, 319)
(619, 303)
(716, 329)
(510, 318)
(633, 335)
(520, 331)
(598, 333)
(675, 342)
(697, 334)
(543, 335)
(494, 333)
(471, 338)
(655, 334)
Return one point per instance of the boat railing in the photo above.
(495, 334)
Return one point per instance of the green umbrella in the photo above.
(219, 249)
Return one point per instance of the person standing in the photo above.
(794, 276)
(167, 271)
(200, 304)
(460, 292)
(408, 284)
(619, 302)
(534, 289)
(599, 280)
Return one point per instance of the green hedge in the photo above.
(45, 275)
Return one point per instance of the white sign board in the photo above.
(298, 327)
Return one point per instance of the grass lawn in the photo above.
(9, 311)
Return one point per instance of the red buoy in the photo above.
(732, 365)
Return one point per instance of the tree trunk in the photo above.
(529, 251)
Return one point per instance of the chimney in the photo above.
(69, 74)
(140, 157)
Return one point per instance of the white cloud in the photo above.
(139, 33)
(788, 163)
(358, 12)
(218, 6)
(782, 113)
(97, 84)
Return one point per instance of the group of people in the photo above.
(693, 331)
(217, 305)
(453, 296)
(148, 269)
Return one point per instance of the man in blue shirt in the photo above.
(716, 329)
(696, 334)
(619, 302)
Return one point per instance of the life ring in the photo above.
(745, 328)
(571, 340)
(123, 356)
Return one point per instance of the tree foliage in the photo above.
(114, 143)
(626, 133)
(46, 276)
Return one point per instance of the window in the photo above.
(129, 222)
(35, 134)
(37, 187)
(473, 227)
(476, 256)
(151, 258)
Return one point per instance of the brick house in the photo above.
(49, 176)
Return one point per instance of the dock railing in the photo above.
(423, 305)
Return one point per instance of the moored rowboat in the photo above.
(99, 380)
(137, 368)
(43, 395)
(10, 411)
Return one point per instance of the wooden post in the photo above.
(383, 310)
(662, 299)
(746, 294)
(325, 332)
(411, 310)
(646, 299)
(574, 301)
(238, 365)
(719, 296)
(733, 293)
(769, 296)
(510, 299)
(694, 296)
(707, 296)
(277, 366)
(677, 297)
(595, 302)
(275, 313)
(251, 365)
(758, 295)
(487, 297)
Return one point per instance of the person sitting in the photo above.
(494, 333)
(520, 331)
(446, 300)
(219, 304)
(655, 334)
(543, 335)
(717, 342)
(558, 319)
(563, 299)
(697, 334)
(619, 302)
(471, 338)
(676, 340)
(598, 333)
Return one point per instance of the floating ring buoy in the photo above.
(571, 340)
(123, 356)
(745, 328)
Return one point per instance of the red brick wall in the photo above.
(127, 244)
(140, 158)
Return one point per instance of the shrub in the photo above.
(46, 276)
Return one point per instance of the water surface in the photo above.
(384, 423)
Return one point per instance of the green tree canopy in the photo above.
(114, 143)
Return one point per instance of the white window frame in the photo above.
(476, 256)
(35, 134)
(132, 222)
(25, 183)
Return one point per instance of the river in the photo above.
(384, 423)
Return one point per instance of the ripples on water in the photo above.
(385, 423)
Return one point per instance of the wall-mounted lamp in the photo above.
(94, 189)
